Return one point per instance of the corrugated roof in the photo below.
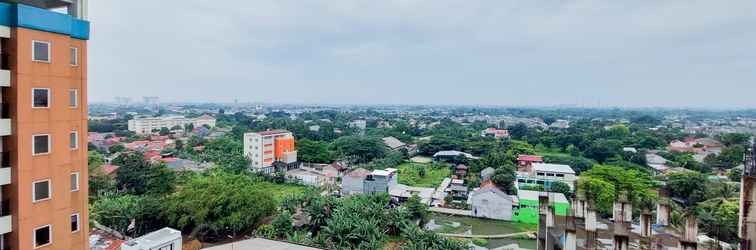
(557, 168)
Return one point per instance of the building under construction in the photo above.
(747, 222)
(585, 229)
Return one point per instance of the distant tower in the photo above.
(152, 102)
(747, 222)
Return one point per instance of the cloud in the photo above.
(627, 53)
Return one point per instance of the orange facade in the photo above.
(58, 120)
(283, 144)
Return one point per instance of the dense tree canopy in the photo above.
(218, 204)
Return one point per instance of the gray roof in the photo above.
(258, 243)
(494, 190)
(557, 168)
(393, 143)
(533, 196)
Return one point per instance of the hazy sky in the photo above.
(500, 52)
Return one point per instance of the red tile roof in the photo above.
(530, 158)
(109, 169)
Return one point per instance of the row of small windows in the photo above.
(41, 98)
(41, 52)
(43, 146)
(43, 234)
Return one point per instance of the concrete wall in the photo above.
(492, 206)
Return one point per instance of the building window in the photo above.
(41, 190)
(74, 56)
(168, 247)
(73, 140)
(41, 51)
(73, 98)
(75, 222)
(75, 182)
(41, 98)
(41, 144)
(42, 236)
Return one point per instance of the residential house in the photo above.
(525, 162)
(490, 202)
(306, 176)
(379, 181)
(457, 189)
(461, 171)
(486, 173)
(353, 182)
(657, 163)
(403, 192)
(495, 133)
(545, 174)
(452, 155)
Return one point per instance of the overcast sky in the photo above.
(523, 53)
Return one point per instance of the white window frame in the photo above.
(76, 140)
(49, 51)
(76, 98)
(49, 98)
(49, 190)
(75, 56)
(34, 236)
(78, 222)
(49, 144)
(78, 183)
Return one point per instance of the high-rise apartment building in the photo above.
(43, 128)
(264, 149)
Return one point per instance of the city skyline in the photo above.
(587, 53)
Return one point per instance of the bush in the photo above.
(480, 242)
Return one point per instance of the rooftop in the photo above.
(273, 132)
(258, 243)
(533, 196)
(557, 168)
(156, 238)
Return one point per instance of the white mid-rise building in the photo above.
(148, 124)
(264, 148)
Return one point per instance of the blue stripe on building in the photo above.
(24, 16)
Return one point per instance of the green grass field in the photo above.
(280, 191)
(409, 174)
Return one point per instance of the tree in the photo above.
(313, 151)
(116, 148)
(137, 176)
(118, 212)
(188, 127)
(560, 187)
(635, 184)
(359, 149)
(504, 178)
(689, 186)
(719, 218)
(598, 192)
(417, 209)
(226, 153)
(732, 139)
(603, 149)
(735, 174)
(518, 131)
(164, 131)
(283, 224)
(218, 204)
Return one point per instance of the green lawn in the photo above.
(409, 174)
(280, 191)
(478, 226)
